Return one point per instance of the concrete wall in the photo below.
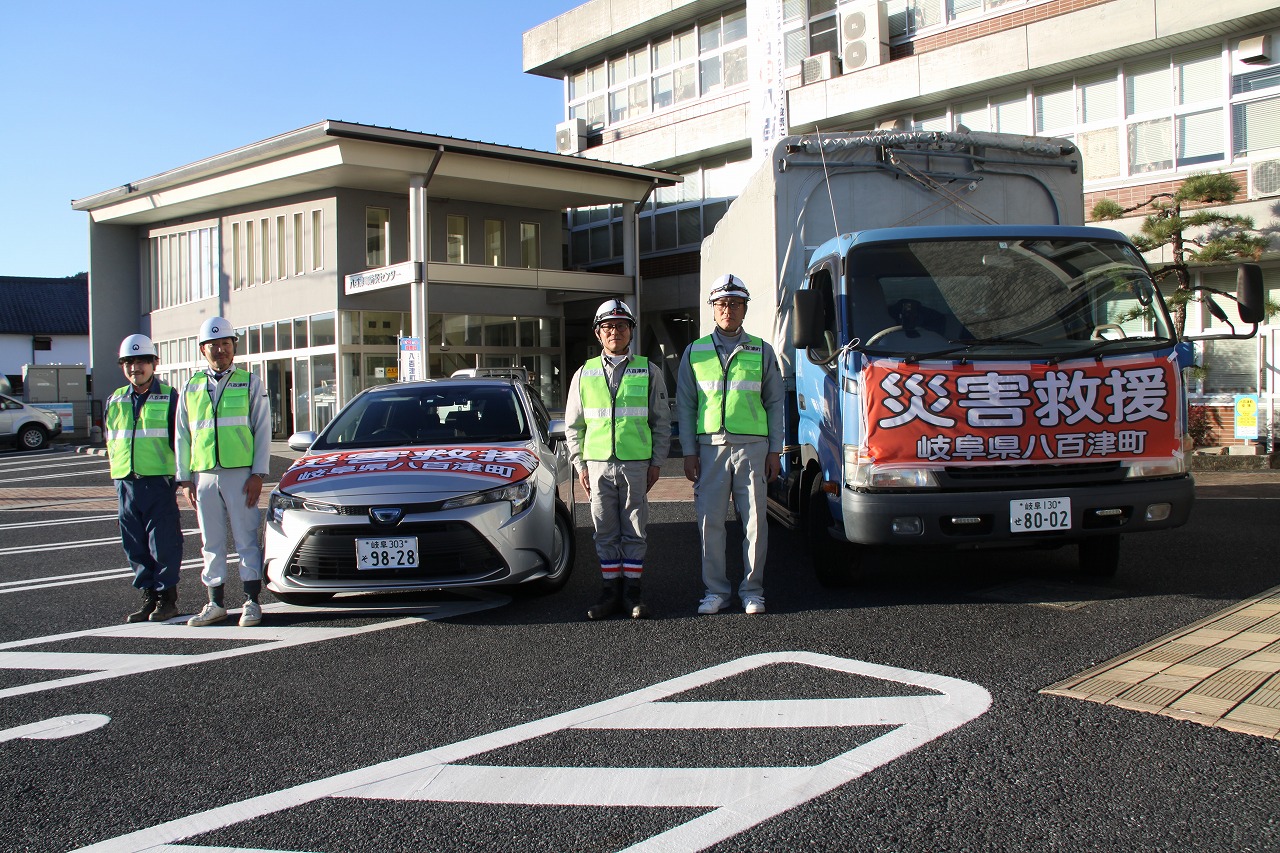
(115, 254)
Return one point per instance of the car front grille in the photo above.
(447, 549)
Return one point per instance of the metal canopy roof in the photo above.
(333, 154)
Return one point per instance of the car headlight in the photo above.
(1156, 467)
(860, 473)
(279, 502)
(519, 495)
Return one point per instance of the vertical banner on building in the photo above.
(1247, 416)
(411, 356)
(768, 67)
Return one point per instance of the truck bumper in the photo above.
(983, 518)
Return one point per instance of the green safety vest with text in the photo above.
(220, 438)
(140, 445)
(729, 395)
(617, 425)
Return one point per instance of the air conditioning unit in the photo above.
(571, 136)
(821, 66)
(864, 35)
(1264, 178)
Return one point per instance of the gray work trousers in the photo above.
(736, 469)
(219, 497)
(619, 513)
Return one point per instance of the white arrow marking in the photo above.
(740, 796)
(56, 727)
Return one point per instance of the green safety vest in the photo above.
(221, 438)
(617, 426)
(729, 396)
(140, 445)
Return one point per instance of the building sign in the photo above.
(768, 64)
(410, 360)
(407, 273)
(1007, 412)
(1246, 416)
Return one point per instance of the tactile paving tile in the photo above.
(1222, 671)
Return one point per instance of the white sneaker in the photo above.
(753, 604)
(712, 603)
(251, 614)
(212, 613)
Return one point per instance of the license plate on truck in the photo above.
(1040, 514)
(391, 552)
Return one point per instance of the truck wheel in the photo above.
(1100, 556)
(834, 563)
(32, 438)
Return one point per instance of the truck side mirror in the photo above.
(1249, 293)
(807, 320)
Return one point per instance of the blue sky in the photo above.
(96, 94)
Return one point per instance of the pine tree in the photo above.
(1197, 237)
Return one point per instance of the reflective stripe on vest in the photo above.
(140, 446)
(222, 438)
(729, 396)
(617, 427)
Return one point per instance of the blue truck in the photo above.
(967, 365)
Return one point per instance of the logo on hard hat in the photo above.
(135, 347)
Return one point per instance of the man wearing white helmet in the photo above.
(140, 421)
(618, 432)
(224, 452)
(729, 404)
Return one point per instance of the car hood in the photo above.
(428, 473)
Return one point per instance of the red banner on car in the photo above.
(500, 464)
(1008, 412)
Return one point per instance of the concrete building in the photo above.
(326, 244)
(1150, 90)
(42, 321)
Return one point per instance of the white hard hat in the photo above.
(614, 309)
(215, 329)
(728, 285)
(135, 346)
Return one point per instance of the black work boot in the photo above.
(631, 596)
(149, 601)
(610, 600)
(167, 607)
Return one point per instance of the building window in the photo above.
(40, 343)
(183, 266)
(530, 245)
(722, 52)
(675, 77)
(456, 239)
(299, 264)
(250, 252)
(493, 242)
(629, 85)
(587, 91)
(264, 248)
(377, 236)
(317, 240)
(282, 267)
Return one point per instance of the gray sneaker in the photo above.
(212, 613)
(251, 614)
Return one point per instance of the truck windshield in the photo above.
(1037, 298)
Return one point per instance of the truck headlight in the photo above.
(860, 473)
(519, 495)
(1170, 467)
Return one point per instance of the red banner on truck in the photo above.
(1004, 412)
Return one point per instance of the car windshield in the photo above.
(1012, 298)
(395, 415)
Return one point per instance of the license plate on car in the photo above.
(391, 552)
(1039, 514)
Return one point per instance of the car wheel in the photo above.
(303, 598)
(835, 563)
(1100, 556)
(32, 438)
(563, 550)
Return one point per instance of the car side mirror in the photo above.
(556, 430)
(302, 441)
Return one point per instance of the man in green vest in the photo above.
(729, 404)
(224, 452)
(618, 431)
(140, 421)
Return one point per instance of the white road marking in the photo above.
(43, 477)
(263, 638)
(56, 522)
(56, 727)
(44, 466)
(81, 543)
(50, 581)
(740, 796)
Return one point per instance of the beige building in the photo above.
(1150, 90)
(327, 244)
